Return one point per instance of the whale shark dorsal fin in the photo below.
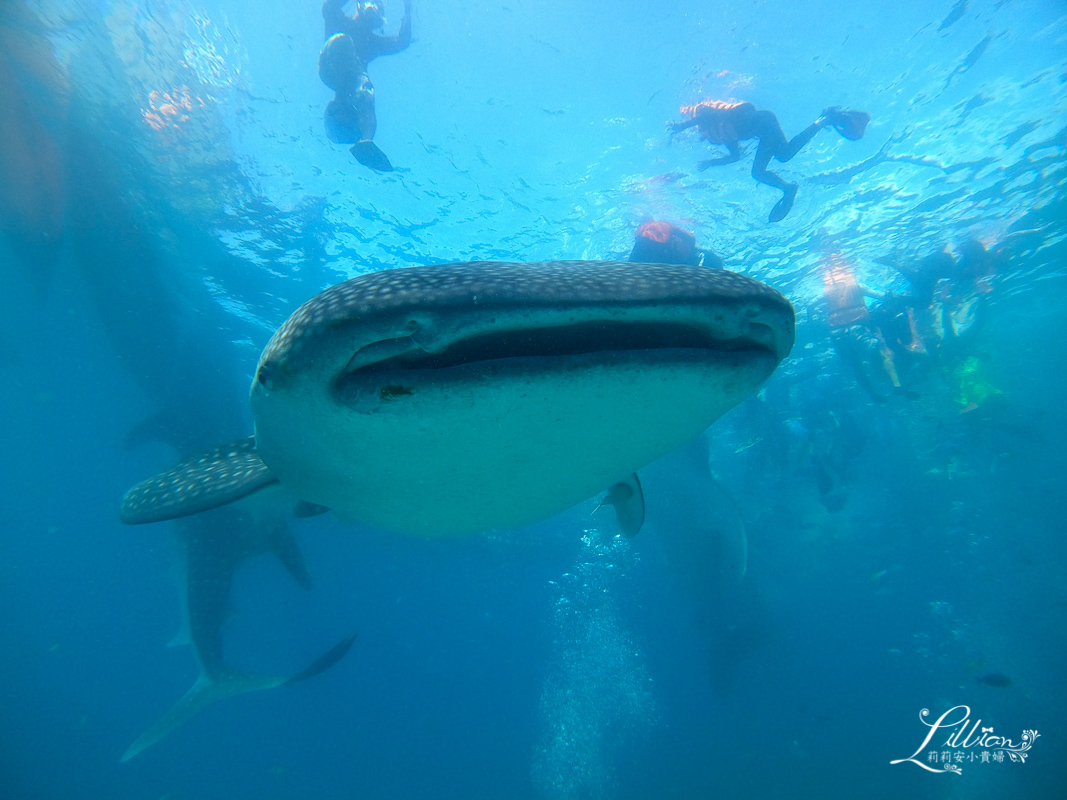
(629, 503)
(211, 687)
(214, 479)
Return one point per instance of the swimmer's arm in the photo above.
(735, 155)
(333, 11)
(678, 127)
(388, 45)
(333, 14)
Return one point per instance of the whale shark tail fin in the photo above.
(323, 662)
(211, 688)
(208, 689)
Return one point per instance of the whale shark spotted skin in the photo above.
(457, 398)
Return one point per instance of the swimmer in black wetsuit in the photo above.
(351, 44)
(729, 124)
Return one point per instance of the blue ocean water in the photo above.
(168, 198)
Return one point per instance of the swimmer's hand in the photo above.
(703, 165)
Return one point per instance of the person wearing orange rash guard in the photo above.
(729, 124)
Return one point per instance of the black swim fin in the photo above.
(850, 124)
(785, 205)
(370, 155)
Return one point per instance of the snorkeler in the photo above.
(948, 293)
(927, 279)
(853, 332)
(664, 243)
(729, 124)
(351, 44)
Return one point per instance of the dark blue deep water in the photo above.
(168, 197)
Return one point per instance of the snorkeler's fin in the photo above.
(785, 205)
(850, 124)
(370, 155)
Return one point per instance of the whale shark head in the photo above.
(456, 398)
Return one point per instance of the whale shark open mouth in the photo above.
(558, 342)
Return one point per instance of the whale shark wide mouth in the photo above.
(559, 342)
(544, 349)
(447, 321)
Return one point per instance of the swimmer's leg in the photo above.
(364, 103)
(773, 144)
(794, 145)
(365, 151)
(852, 351)
(341, 121)
(764, 153)
(771, 134)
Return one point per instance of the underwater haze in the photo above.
(169, 196)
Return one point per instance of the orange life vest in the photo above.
(843, 294)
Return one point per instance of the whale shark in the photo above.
(214, 544)
(451, 399)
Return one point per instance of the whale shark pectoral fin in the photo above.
(283, 545)
(210, 689)
(629, 503)
(214, 479)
